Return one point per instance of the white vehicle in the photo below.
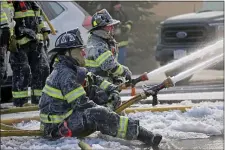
(64, 16)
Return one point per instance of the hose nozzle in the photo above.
(168, 82)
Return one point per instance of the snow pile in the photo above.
(32, 125)
(39, 143)
(198, 122)
(60, 144)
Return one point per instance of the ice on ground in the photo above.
(198, 122)
(32, 125)
(201, 121)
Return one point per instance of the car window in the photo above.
(84, 11)
(213, 6)
(51, 9)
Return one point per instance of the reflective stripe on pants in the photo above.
(122, 131)
(20, 94)
(37, 92)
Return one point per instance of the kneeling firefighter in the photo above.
(29, 61)
(102, 49)
(65, 109)
(97, 88)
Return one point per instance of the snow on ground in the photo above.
(199, 122)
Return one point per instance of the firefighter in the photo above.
(99, 90)
(65, 109)
(6, 30)
(122, 30)
(28, 61)
(102, 49)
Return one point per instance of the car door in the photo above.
(55, 12)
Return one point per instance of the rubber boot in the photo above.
(148, 137)
(19, 102)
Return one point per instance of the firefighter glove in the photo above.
(115, 100)
(128, 74)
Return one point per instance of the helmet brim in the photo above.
(113, 22)
(59, 49)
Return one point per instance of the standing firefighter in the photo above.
(65, 109)
(102, 49)
(6, 30)
(29, 61)
(122, 30)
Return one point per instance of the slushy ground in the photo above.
(198, 128)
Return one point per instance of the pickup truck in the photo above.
(183, 34)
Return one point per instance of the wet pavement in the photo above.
(214, 142)
(211, 143)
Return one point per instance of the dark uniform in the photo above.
(6, 29)
(102, 49)
(122, 31)
(29, 63)
(65, 109)
(99, 90)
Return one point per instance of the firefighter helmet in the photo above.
(66, 42)
(102, 18)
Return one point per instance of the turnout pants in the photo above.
(30, 67)
(4, 34)
(94, 119)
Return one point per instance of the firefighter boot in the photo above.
(19, 102)
(148, 137)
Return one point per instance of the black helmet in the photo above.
(65, 42)
(102, 18)
(68, 40)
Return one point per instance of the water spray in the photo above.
(196, 68)
(216, 47)
(169, 82)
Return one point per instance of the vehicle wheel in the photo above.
(175, 72)
(6, 94)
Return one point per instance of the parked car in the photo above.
(64, 16)
(181, 35)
